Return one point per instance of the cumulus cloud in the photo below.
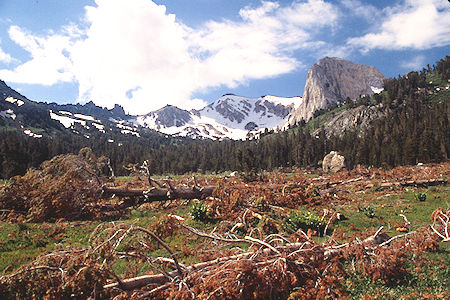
(137, 55)
(134, 55)
(413, 24)
(49, 63)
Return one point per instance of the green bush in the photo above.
(198, 211)
(304, 220)
(369, 211)
(420, 196)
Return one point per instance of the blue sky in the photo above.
(144, 54)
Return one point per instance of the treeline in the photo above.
(414, 130)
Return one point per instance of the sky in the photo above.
(145, 54)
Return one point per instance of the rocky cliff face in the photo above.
(331, 81)
(359, 117)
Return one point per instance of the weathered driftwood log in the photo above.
(160, 194)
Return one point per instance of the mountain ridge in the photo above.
(229, 117)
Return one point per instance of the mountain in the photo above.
(38, 119)
(406, 123)
(230, 116)
(330, 81)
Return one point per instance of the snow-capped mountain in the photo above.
(231, 116)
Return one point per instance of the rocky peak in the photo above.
(331, 80)
(6, 91)
(171, 116)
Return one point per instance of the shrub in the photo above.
(198, 211)
(304, 220)
(67, 187)
(420, 197)
(369, 211)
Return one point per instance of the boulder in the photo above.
(333, 162)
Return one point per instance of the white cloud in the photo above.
(260, 45)
(416, 63)
(369, 12)
(195, 103)
(134, 55)
(137, 55)
(5, 57)
(414, 24)
(48, 64)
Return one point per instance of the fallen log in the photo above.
(421, 183)
(140, 281)
(160, 194)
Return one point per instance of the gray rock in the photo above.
(359, 117)
(171, 116)
(331, 81)
(251, 126)
(333, 162)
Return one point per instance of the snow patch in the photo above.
(84, 117)
(376, 90)
(66, 121)
(125, 127)
(286, 101)
(124, 131)
(12, 100)
(8, 114)
(99, 127)
(30, 133)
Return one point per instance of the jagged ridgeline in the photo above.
(405, 123)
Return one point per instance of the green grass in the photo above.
(433, 277)
(21, 243)
(387, 210)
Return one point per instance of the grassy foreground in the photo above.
(363, 211)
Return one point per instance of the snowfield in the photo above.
(231, 116)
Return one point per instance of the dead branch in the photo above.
(394, 238)
(263, 244)
(214, 237)
(155, 237)
(138, 282)
(424, 183)
(441, 222)
(160, 194)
